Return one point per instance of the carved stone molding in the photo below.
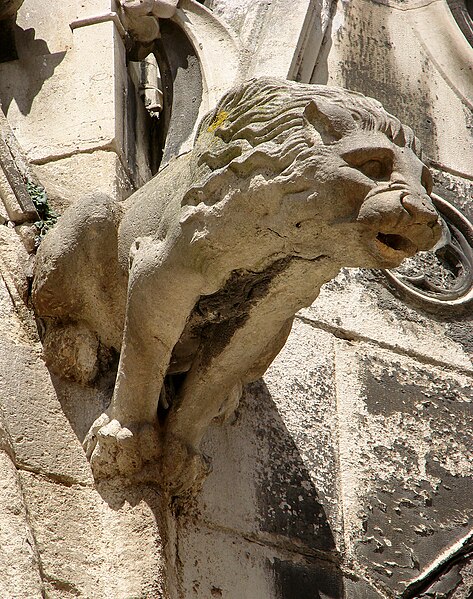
(462, 11)
(214, 45)
(434, 580)
(443, 276)
(15, 174)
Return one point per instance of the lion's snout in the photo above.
(401, 221)
(420, 208)
(423, 214)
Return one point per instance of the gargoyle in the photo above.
(196, 278)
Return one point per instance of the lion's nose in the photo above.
(420, 208)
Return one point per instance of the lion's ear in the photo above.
(330, 120)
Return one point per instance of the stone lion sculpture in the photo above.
(196, 278)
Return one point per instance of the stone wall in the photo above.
(346, 472)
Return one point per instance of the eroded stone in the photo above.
(192, 228)
(406, 476)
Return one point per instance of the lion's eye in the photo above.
(374, 169)
(375, 163)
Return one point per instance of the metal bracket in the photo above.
(442, 277)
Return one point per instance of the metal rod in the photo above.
(103, 18)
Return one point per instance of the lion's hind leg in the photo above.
(212, 389)
(233, 357)
(79, 289)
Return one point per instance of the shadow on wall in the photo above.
(288, 502)
(261, 492)
(22, 79)
(289, 506)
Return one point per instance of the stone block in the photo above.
(277, 456)
(358, 304)
(69, 179)
(47, 419)
(281, 38)
(91, 548)
(51, 22)
(217, 564)
(406, 432)
(19, 564)
(55, 106)
(42, 436)
(14, 265)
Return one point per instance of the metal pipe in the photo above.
(104, 18)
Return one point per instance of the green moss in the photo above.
(48, 216)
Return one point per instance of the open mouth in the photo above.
(397, 243)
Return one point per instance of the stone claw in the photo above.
(185, 468)
(90, 440)
(122, 451)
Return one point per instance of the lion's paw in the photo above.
(184, 467)
(122, 451)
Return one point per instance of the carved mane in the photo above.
(265, 123)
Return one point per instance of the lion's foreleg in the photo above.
(246, 356)
(161, 294)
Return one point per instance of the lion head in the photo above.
(342, 170)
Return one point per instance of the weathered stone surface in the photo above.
(19, 561)
(192, 249)
(92, 106)
(378, 48)
(358, 588)
(406, 478)
(455, 189)
(63, 539)
(301, 580)
(360, 305)
(217, 563)
(279, 456)
(73, 130)
(298, 488)
(90, 549)
(276, 36)
(42, 436)
(234, 568)
(455, 582)
(348, 454)
(70, 179)
(51, 25)
(15, 260)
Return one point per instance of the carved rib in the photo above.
(462, 548)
